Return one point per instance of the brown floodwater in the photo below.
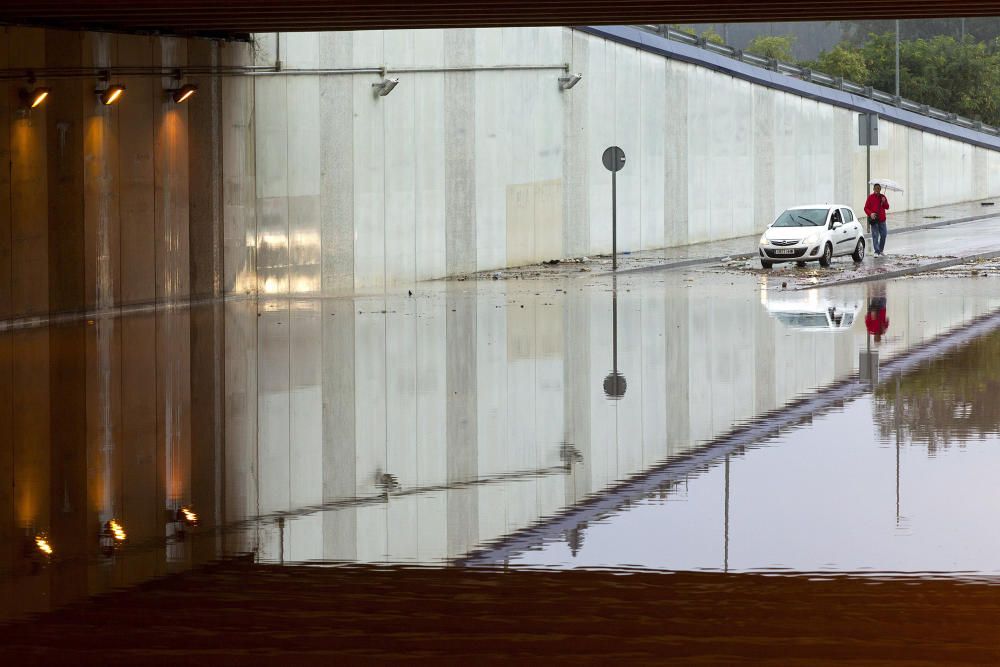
(648, 467)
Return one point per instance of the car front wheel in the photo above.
(827, 256)
(859, 251)
(766, 264)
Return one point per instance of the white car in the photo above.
(816, 233)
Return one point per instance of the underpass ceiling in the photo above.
(237, 18)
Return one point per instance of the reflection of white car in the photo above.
(812, 233)
(811, 310)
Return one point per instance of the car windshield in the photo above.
(805, 320)
(802, 217)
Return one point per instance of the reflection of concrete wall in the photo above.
(473, 170)
(100, 424)
(464, 385)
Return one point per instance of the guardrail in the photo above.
(821, 78)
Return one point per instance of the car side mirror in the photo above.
(837, 224)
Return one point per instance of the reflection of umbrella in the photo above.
(887, 184)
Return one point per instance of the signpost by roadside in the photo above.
(868, 137)
(614, 160)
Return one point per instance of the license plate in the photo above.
(784, 251)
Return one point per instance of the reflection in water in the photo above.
(615, 384)
(950, 401)
(876, 323)
(426, 429)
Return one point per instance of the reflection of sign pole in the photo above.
(868, 364)
(614, 384)
(614, 160)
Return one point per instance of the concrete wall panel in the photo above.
(8, 105)
(336, 142)
(28, 236)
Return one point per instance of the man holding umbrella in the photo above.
(875, 208)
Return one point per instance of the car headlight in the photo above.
(763, 240)
(812, 238)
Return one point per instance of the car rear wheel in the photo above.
(827, 256)
(859, 251)
(766, 264)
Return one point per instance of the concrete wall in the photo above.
(471, 170)
(109, 205)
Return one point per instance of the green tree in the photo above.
(777, 46)
(953, 75)
(842, 60)
(712, 36)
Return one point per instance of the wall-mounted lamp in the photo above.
(385, 86)
(111, 94)
(32, 99)
(570, 80)
(184, 93)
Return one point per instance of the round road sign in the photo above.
(613, 158)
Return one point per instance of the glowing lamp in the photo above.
(184, 93)
(32, 99)
(111, 94)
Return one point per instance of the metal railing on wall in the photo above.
(821, 78)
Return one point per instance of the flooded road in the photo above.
(653, 422)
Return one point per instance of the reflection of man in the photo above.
(876, 319)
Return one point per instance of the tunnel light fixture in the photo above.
(385, 86)
(570, 80)
(184, 93)
(111, 94)
(32, 99)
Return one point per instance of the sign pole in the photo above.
(614, 160)
(614, 221)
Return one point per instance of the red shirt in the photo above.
(877, 205)
(877, 322)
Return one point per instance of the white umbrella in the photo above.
(887, 184)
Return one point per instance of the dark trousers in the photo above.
(879, 232)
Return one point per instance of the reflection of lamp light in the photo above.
(116, 530)
(186, 515)
(569, 454)
(112, 535)
(111, 94)
(385, 86)
(387, 482)
(184, 93)
(42, 543)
